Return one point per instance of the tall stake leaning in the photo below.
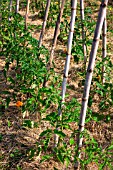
(104, 52)
(83, 31)
(101, 17)
(66, 70)
(56, 31)
(55, 39)
(27, 11)
(44, 22)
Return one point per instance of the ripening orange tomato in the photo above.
(19, 104)
(99, 77)
(65, 50)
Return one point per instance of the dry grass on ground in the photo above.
(18, 139)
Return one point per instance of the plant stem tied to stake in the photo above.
(100, 21)
(66, 70)
(44, 22)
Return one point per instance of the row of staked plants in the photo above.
(20, 49)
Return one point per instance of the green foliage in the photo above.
(0, 137)
(20, 49)
(15, 154)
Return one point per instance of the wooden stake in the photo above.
(101, 17)
(44, 22)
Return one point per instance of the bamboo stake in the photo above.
(27, 11)
(59, 3)
(17, 6)
(55, 39)
(56, 31)
(44, 22)
(83, 32)
(66, 70)
(10, 8)
(101, 17)
(104, 52)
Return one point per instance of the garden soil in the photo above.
(16, 138)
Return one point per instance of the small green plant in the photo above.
(26, 78)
